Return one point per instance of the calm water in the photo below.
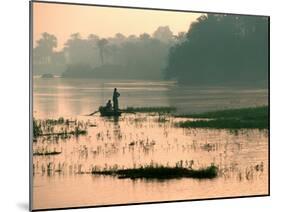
(139, 139)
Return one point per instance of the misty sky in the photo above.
(63, 20)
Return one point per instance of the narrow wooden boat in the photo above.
(105, 112)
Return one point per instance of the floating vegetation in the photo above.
(162, 117)
(123, 149)
(36, 128)
(242, 113)
(37, 153)
(224, 124)
(150, 109)
(60, 120)
(245, 118)
(209, 147)
(76, 132)
(61, 127)
(161, 172)
(45, 151)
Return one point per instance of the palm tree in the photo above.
(45, 46)
(101, 45)
(48, 42)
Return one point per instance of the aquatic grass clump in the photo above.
(58, 121)
(244, 118)
(150, 109)
(59, 127)
(225, 124)
(37, 153)
(36, 128)
(161, 172)
(251, 113)
(75, 132)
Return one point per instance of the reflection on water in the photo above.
(137, 139)
(71, 97)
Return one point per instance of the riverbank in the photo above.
(244, 118)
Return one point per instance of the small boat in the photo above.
(47, 76)
(105, 112)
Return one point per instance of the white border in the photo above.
(15, 94)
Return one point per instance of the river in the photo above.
(139, 139)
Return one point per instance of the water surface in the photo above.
(143, 139)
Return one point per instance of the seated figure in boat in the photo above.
(109, 109)
(108, 106)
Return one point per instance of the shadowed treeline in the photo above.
(221, 48)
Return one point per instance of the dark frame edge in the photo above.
(30, 104)
(268, 88)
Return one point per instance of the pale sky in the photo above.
(63, 20)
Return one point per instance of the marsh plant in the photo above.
(60, 127)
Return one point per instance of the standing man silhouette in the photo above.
(115, 100)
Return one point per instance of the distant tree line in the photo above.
(221, 49)
(142, 56)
